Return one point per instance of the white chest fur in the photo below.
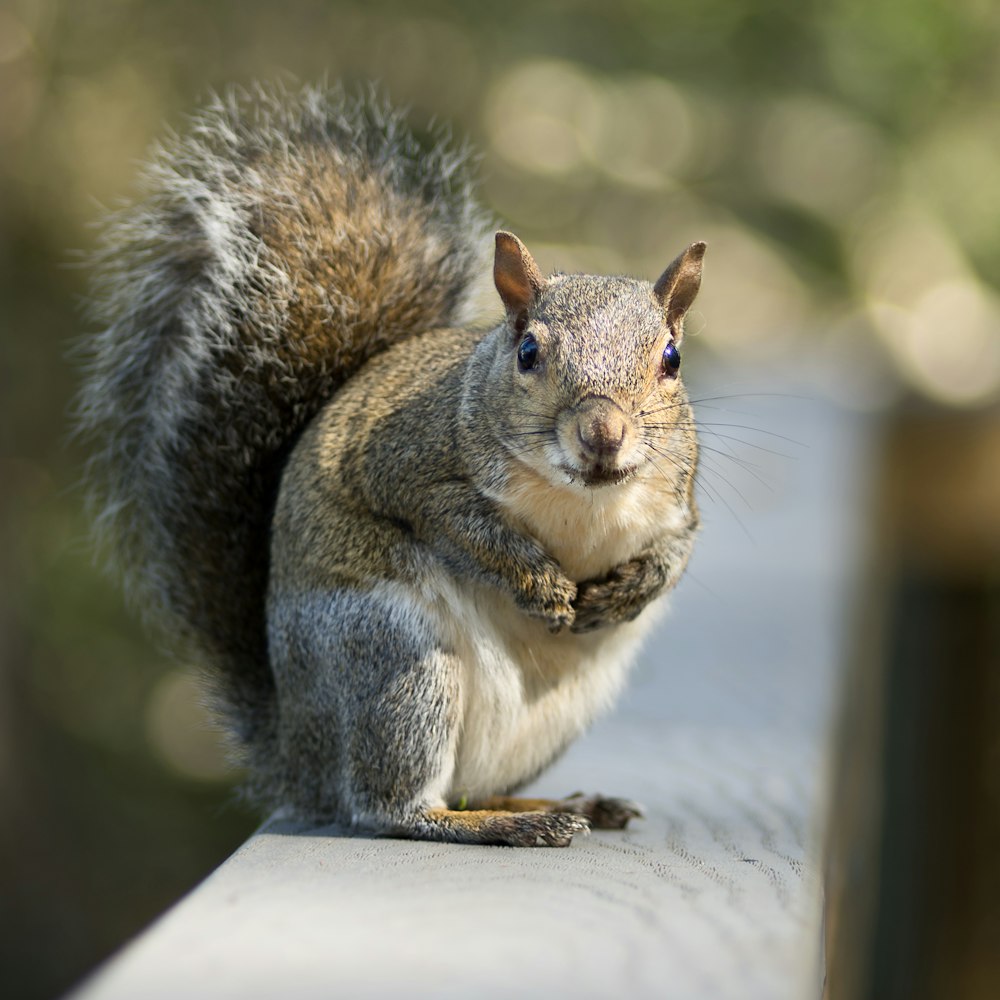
(525, 694)
(589, 531)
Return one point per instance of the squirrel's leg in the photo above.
(622, 593)
(368, 703)
(473, 538)
(603, 813)
(376, 674)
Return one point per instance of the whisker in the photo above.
(749, 444)
(530, 447)
(715, 470)
(544, 415)
(656, 466)
(642, 414)
(697, 424)
(713, 492)
(544, 431)
(748, 467)
(686, 468)
(756, 430)
(747, 395)
(699, 479)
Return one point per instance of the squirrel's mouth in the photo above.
(599, 475)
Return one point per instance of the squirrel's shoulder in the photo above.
(424, 374)
(400, 407)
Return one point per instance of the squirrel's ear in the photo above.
(679, 284)
(516, 275)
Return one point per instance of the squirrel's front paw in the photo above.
(551, 600)
(608, 601)
(617, 597)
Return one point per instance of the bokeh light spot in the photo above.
(182, 731)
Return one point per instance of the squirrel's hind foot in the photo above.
(601, 812)
(488, 826)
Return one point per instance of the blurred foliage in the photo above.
(840, 156)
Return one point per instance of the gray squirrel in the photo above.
(414, 556)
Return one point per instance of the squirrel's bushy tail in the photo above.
(277, 245)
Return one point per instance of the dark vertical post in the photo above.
(914, 875)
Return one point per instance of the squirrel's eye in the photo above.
(527, 354)
(671, 360)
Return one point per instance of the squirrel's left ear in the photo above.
(678, 286)
(517, 277)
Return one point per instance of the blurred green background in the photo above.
(842, 158)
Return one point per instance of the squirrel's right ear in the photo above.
(679, 284)
(517, 277)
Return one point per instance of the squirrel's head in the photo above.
(585, 378)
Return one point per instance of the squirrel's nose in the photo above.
(601, 428)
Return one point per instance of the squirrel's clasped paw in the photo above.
(619, 596)
(552, 602)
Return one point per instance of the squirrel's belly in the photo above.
(526, 694)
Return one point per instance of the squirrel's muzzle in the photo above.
(600, 429)
(599, 436)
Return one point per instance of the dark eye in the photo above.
(671, 360)
(527, 354)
